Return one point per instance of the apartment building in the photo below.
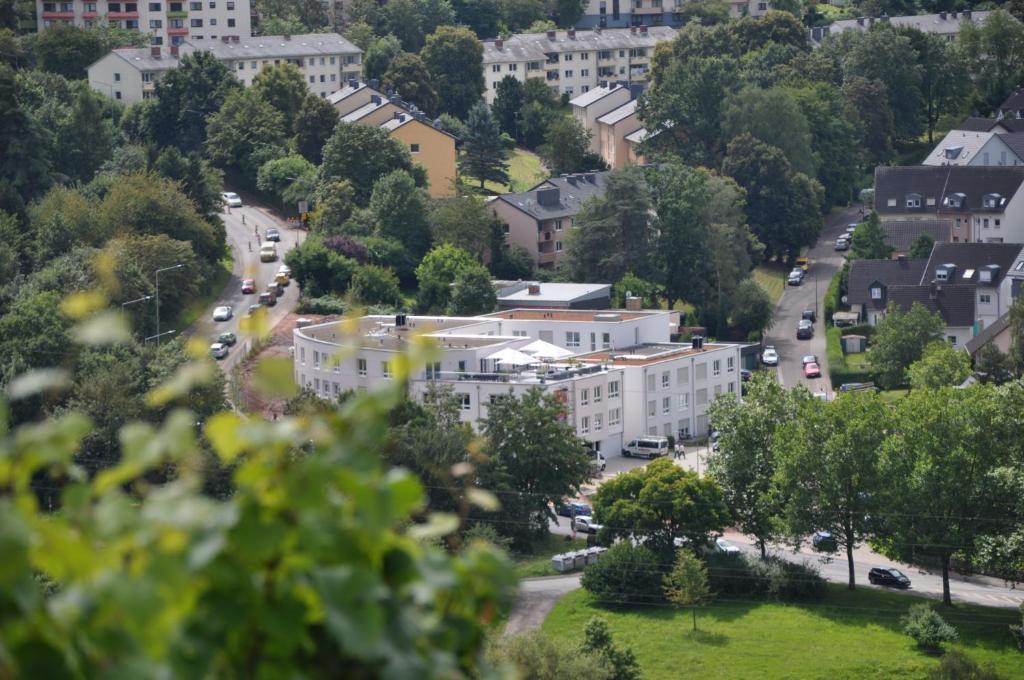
(324, 59)
(169, 23)
(623, 13)
(572, 61)
(610, 112)
(944, 24)
(984, 203)
(588, 106)
(430, 146)
(539, 220)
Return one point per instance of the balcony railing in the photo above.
(530, 376)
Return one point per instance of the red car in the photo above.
(248, 286)
(812, 370)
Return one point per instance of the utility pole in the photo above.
(165, 269)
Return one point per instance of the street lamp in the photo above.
(165, 269)
(132, 302)
(159, 335)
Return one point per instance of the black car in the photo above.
(746, 374)
(823, 541)
(888, 577)
(805, 331)
(809, 315)
(273, 234)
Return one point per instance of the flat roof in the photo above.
(599, 315)
(649, 353)
(280, 46)
(556, 292)
(536, 46)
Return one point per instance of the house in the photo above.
(1013, 106)
(485, 358)
(533, 294)
(997, 333)
(961, 147)
(984, 203)
(167, 23)
(539, 220)
(612, 130)
(869, 283)
(609, 112)
(324, 59)
(902, 234)
(623, 13)
(944, 24)
(572, 62)
(433, 148)
(596, 102)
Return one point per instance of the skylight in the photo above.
(968, 273)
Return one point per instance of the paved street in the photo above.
(535, 599)
(247, 265)
(795, 299)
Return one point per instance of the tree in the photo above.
(613, 233)
(67, 50)
(399, 210)
(362, 154)
(11, 256)
(436, 273)
(566, 147)
(310, 14)
(318, 270)
(994, 51)
(284, 88)
(745, 464)
(288, 179)
(244, 134)
(534, 460)
(454, 57)
(34, 332)
(992, 365)
(751, 309)
(23, 170)
(687, 584)
(774, 117)
(484, 149)
(900, 339)
(314, 125)
(373, 285)
(1017, 335)
(466, 222)
(379, 56)
(940, 365)
(870, 101)
(941, 66)
(187, 96)
(660, 503)
(680, 196)
(481, 16)
(828, 469)
(517, 15)
(597, 639)
(921, 248)
(836, 136)
(626, 574)
(408, 76)
(62, 220)
(472, 293)
(412, 20)
(360, 34)
(199, 180)
(632, 285)
(569, 12)
(868, 241)
(508, 103)
(289, 25)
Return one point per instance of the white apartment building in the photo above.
(624, 13)
(169, 23)
(326, 60)
(599, 373)
(572, 61)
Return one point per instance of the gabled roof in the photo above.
(621, 113)
(637, 136)
(1014, 140)
(902, 234)
(573, 190)
(934, 184)
(888, 273)
(142, 58)
(536, 46)
(979, 124)
(1015, 102)
(403, 119)
(970, 258)
(350, 89)
(595, 94)
(954, 303)
(988, 333)
(958, 146)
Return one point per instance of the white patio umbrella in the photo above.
(512, 357)
(545, 350)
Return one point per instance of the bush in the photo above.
(958, 666)
(773, 578)
(927, 628)
(536, 656)
(327, 304)
(373, 285)
(626, 574)
(832, 296)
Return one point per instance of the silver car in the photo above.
(218, 350)
(222, 313)
(770, 356)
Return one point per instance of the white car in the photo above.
(809, 359)
(725, 547)
(231, 199)
(586, 524)
(284, 269)
(770, 356)
(218, 350)
(222, 313)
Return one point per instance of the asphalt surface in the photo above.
(535, 600)
(245, 248)
(809, 295)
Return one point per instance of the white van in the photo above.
(268, 252)
(646, 447)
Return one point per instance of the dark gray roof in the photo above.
(954, 303)
(902, 234)
(934, 185)
(970, 258)
(280, 46)
(573, 190)
(1014, 140)
(1015, 102)
(979, 124)
(988, 333)
(889, 273)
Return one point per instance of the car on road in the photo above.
(842, 244)
(273, 234)
(803, 263)
(275, 288)
(254, 308)
(231, 199)
(809, 359)
(268, 299)
(770, 357)
(746, 374)
(888, 576)
(222, 313)
(725, 547)
(248, 286)
(218, 350)
(574, 509)
(646, 447)
(850, 228)
(268, 252)
(285, 269)
(227, 338)
(810, 315)
(795, 278)
(824, 541)
(586, 524)
(812, 371)
(281, 279)
(804, 330)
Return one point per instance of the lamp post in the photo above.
(165, 269)
(132, 302)
(815, 296)
(159, 335)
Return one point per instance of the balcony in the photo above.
(181, 14)
(122, 15)
(178, 31)
(59, 15)
(648, 10)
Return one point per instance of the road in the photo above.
(809, 295)
(241, 237)
(535, 599)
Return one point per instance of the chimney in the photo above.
(643, 30)
(374, 99)
(942, 15)
(551, 35)
(533, 289)
(572, 34)
(632, 30)
(633, 303)
(499, 43)
(353, 83)
(697, 342)
(154, 51)
(287, 36)
(374, 83)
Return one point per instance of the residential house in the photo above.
(168, 23)
(572, 62)
(944, 24)
(961, 147)
(539, 220)
(534, 294)
(596, 102)
(997, 125)
(1013, 106)
(901, 235)
(984, 203)
(612, 130)
(869, 283)
(130, 74)
(998, 334)
(623, 13)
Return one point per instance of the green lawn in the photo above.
(891, 397)
(858, 361)
(847, 635)
(538, 563)
(524, 171)
(772, 277)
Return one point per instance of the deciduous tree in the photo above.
(566, 147)
(687, 584)
(400, 209)
(868, 242)
(454, 57)
(472, 292)
(435, 274)
(314, 124)
(187, 96)
(408, 76)
(244, 134)
(373, 285)
(284, 88)
(900, 339)
(362, 154)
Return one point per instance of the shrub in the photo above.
(832, 296)
(343, 244)
(773, 578)
(626, 574)
(536, 656)
(927, 628)
(958, 666)
(327, 304)
(1018, 631)
(373, 285)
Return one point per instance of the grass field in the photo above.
(524, 171)
(852, 635)
(772, 277)
(538, 563)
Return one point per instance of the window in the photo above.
(337, 388)
(584, 397)
(951, 339)
(513, 67)
(650, 383)
(312, 79)
(463, 401)
(985, 299)
(90, 7)
(316, 384)
(231, 6)
(652, 408)
(597, 394)
(915, 202)
(614, 417)
(147, 77)
(213, 21)
(558, 225)
(730, 364)
(117, 77)
(414, 148)
(716, 368)
(665, 379)
(154, 7)
(302, 355)
(156, 23)
(606, 340)
(718, 390)
(598, 424)
(316, 359)
(584, 72)
(462, 367)
(213, 4)
(684, 401)
(195, 6)
(196, 23)
(876, 293)
(702, 372)
(567, 57)
(361, 367)
(433, 371)
(613, 389)
(682, 375)
(702, 396)
(732, 387)
(585, 425)
(572, 339)
(666, 405)
(385, 369)
(684, 430)
(241, 66)
(495, 68)
(584, 56)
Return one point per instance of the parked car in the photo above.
(281, 279)
(231, 199)
(285, 269)
(268, 299)
(227, 338)
(218, 350)
(746, 374)
(856, 386)
(222, 313)
(248, 286)
(842, 244)
(804, 330)
(888, 576)
(812, 371)
(268, 252)
(809, 359)
(254, 308)
(810, 315)
(850, 228)
(574, 508)
(597, 461)
(586, 524)
(824, 541)
(724, 546)
(273, 234)
(795, 278)
(275, 288)
(770, 357)
(803, 263)
(646, 447)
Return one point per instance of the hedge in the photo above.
(832, 295)
(838, 371)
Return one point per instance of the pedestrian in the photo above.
(256, 229)
(243, 219)
(250, 245)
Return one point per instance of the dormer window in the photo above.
(985, 276)
(992, 201)
(876, 292)
(941, 275)
(913, 200)
(956, 200)
(953, 152)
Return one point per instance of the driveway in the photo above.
(809, 295)
(245, 247)
(535, 600)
